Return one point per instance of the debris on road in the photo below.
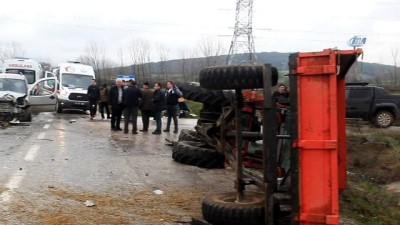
(89, 203)
(158, 192)
(169, 142)
(72, 121)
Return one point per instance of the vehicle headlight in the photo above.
(63, 92)
(21, 101)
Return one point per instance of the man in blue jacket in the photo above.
(131, 99)
(172, 95)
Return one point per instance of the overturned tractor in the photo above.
(292, 151)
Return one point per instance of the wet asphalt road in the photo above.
(52, 166)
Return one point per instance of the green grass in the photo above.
(370, 204)
(195, 107)
(389, 141)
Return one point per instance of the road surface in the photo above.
(55, 167)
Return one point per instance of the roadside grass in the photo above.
(195, 107)
(390, 159)
(369, 204)
(373, 163)
(390, 141)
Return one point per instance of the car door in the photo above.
(358, 102)
(48, 74)
(42, 95)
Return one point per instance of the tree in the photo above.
(210, 49)
(12, 50)
(140, 52)
(163, 54)
(120, 54)
(188, 64)
(94, 55)
(395, 53)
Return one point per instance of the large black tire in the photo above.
(384, 119)
(189, 135)
(197, 154)
(27, 116)
(210, 117)
(198, 94)
(221, 209)
(234, 77)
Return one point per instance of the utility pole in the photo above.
(242, 40)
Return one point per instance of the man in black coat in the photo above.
(130, 100)
(172, 95)
(93, 93)
(146, 106)
(158, 106)
(115, 104)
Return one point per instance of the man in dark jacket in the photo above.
(172, 95)
(281, 92)
(115, 104)
(130, 100)
(158, 106)
(104, 91)
(93, 93)
(146, 106)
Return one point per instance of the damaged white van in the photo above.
(18, 102)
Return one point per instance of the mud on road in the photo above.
(131, 179)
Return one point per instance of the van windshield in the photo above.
(29, 74)
(14, 85)
(76, 80)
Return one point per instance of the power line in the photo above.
(201, 34)
(103, 28)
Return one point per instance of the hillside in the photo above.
(370, 72)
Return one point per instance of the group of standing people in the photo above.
(129, 99)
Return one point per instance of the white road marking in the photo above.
(46, 126)
(12, 184)
(15, 180)
(41, 135)
(31, 154)
(49, 120)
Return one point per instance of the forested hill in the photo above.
(371, 72)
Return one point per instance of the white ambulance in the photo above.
(74, 78)
(31, 69)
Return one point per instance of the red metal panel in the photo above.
(341, 119)
(321, 129)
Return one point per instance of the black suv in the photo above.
(372, 103)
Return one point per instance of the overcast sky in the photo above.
(60, 30)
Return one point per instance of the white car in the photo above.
(17, 102)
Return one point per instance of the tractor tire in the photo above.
(205, 96)
(190, 135)
(234, 77)
(384, 119)
(197, 154)
(212, 117)
(221, 209)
